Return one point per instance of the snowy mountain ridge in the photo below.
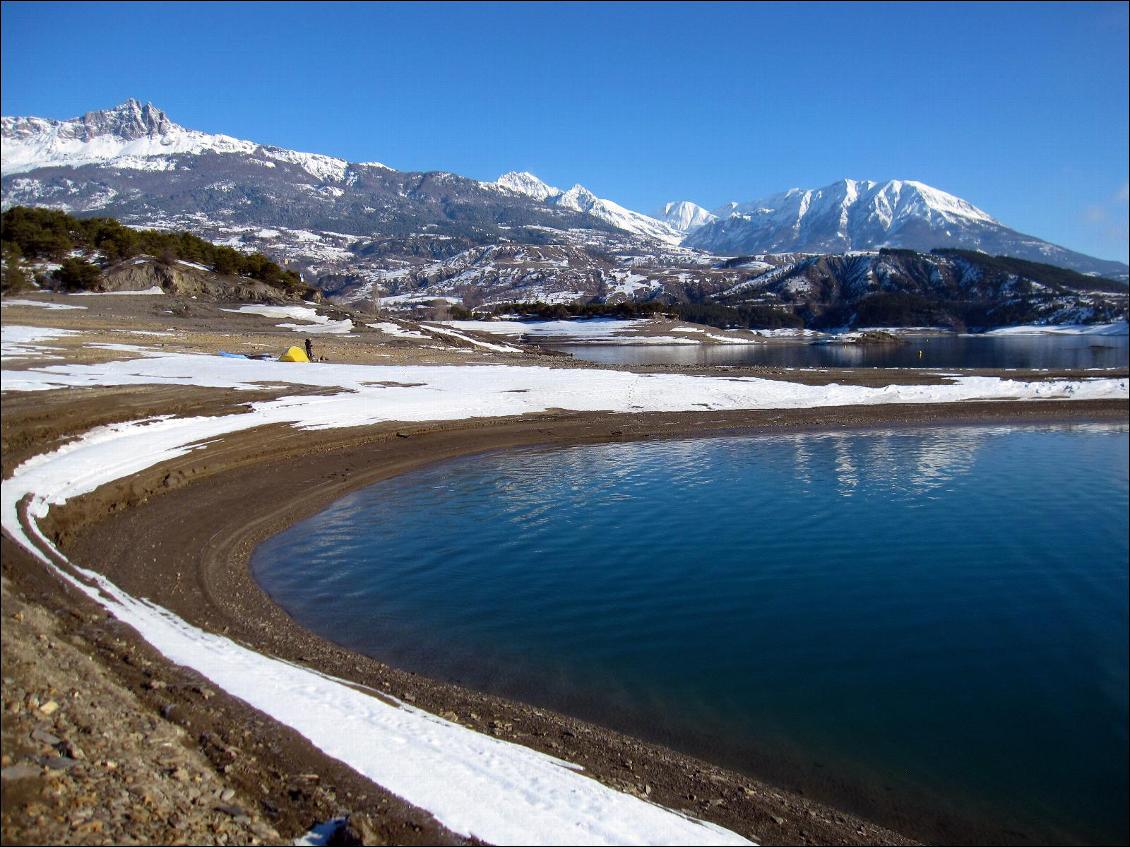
(580, 199)
(851, 204)
(888, 202)
(854, 214)
(135, 137)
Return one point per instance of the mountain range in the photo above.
(863, 215)
(361, 230)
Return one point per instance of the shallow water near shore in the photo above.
(934, 351)
(931, 620)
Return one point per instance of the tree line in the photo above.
(709, 314)
(51, 235)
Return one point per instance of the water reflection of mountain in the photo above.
(893, 463)
(940, 351)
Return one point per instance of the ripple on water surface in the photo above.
(937, 616)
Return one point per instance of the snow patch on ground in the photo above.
(594, 331)
(156, 289)
(43, 304)
(389, 328)
(654, 340)
(591, 331)
(328, 328)
(455, 392)
(1117, 328)
(26, 342)
(632, 283)
(298, 313)
(498, 348)
(710, 336)
(314, 324)
(788, 333)
(414, 299)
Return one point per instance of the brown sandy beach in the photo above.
(182, 533)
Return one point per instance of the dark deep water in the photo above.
(940, 351)
(928, 626)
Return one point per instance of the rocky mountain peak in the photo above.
(127, 122)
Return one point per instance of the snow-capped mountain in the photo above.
(865, 215)
(524, 182)
(686, 216)
(580, 199)
(135, 137)
(855, 210)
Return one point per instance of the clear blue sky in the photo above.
(1021, 109)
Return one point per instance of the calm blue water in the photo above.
(928, 626)
(945, 351)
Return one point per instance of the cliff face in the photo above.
(183, 279)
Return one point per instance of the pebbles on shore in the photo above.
(84, 762)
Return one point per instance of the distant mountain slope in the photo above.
(686, 216)
(888, 287)
(133, 162)
(901, 287)
(580, 199)
(864, 215)
(891, 287)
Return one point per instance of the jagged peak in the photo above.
(581, 194)
(133, 135)
(129, 120)
(524, 182)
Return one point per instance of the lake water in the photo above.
(942, 351)
(927, 626)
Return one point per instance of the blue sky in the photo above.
(1020, 109)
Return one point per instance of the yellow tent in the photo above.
(294, 354)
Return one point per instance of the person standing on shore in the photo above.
(309, 350)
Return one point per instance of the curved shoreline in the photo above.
(254, 484)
